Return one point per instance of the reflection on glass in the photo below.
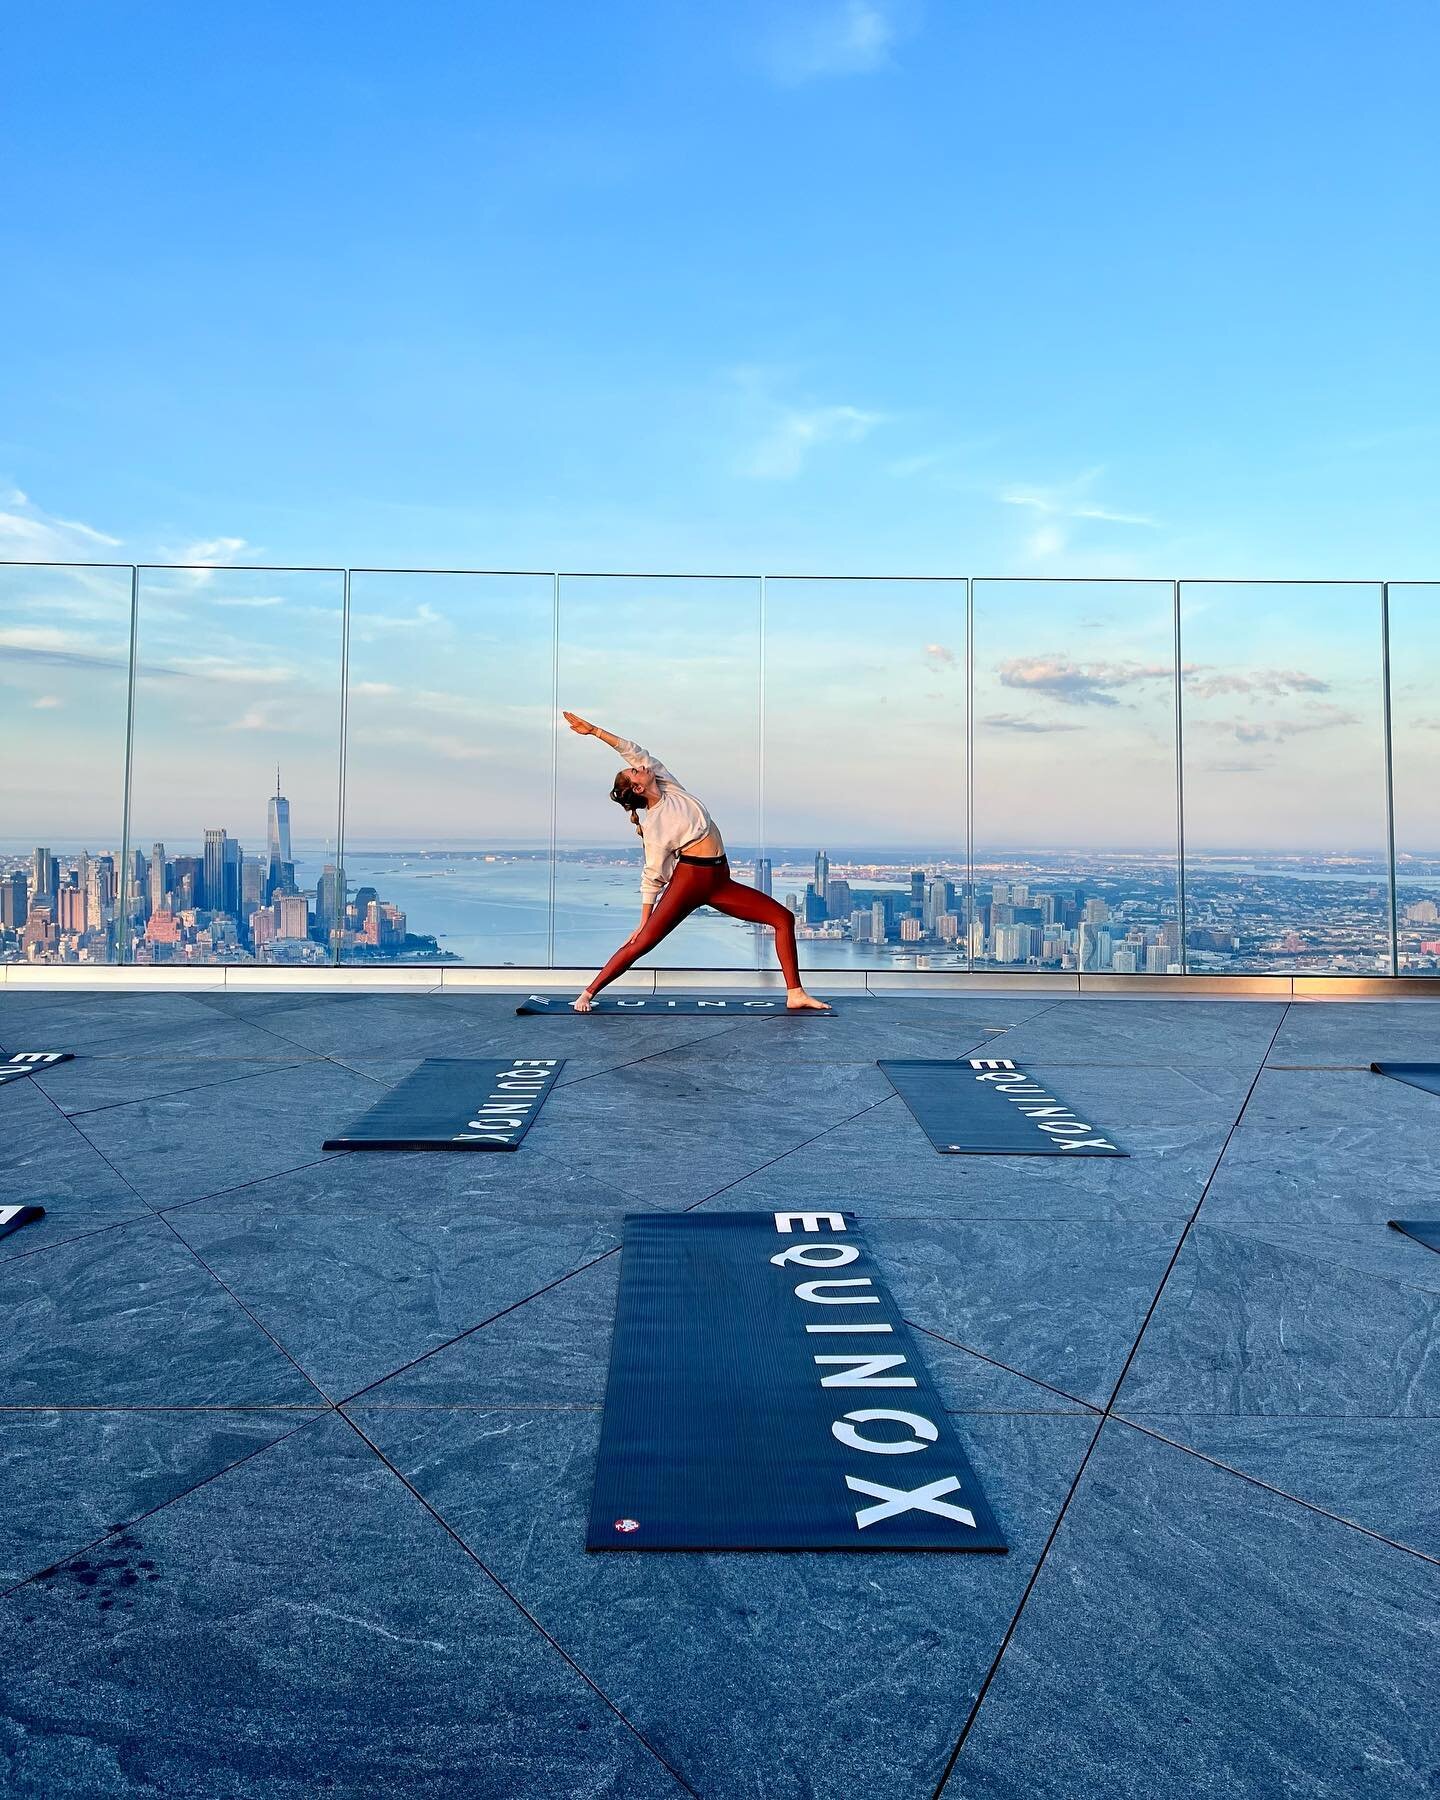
(1075, 768)
(1415, 738)
(64, 687)
(673, 665)
(447, 773)
(234, 794)
(1286, 867)
(865, 769)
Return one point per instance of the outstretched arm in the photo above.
(633, 754)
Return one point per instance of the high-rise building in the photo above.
(252, 886)
(330, 899)
(212, 891)
(815, 913)
(837, 899)
(764, 874)
(822, 871)
(860, 926)
(277, 825)
(234, 863)
(917, 891)
(14, 900)
(159, 880)
(292, 918)
(70, 912)
(947, 927)
(187, 882)
(976, 940)
(878, 927)
(44, 874)
(911, 930)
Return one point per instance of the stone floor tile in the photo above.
(1191, 1634)
(298, 1626)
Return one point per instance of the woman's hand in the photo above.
(583, 726)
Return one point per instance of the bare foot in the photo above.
(584, 1001)
(797, 1000)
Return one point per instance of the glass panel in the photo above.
(235, 786)
(1076, 860)
(865, 769)
(1286, 866)
(1415, 735)
(672, 663)
(64, 691)
(447, 773)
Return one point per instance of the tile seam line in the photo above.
(519, 1606)
(197, 1087)
(150, 1511)
(594, 1262)
(95, 1148)
(1011, 1628)
(224, 1286)
(804, 1144)
(994, 1362)
(1280, 1493)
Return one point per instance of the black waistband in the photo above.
(703, 862)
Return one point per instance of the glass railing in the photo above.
(366, 766)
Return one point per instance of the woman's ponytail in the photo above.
(635, 821)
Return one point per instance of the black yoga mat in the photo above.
(13, 1217)
(985, 1106)
(651, 1006)
(1420, 1075)
(19, 1063)
(766, 1394)
(456, 1103)
(1424, 1231)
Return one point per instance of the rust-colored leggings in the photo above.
(709, 884)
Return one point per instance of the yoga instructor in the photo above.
(685, 867)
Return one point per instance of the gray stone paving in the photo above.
(297, 1449)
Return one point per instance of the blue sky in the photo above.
(814, 286)
(830, 285)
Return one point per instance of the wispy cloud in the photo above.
(240, 600)
(61, 649)
(1206, 683)
(796, 433)
(221, 668)
(29, 534)
(1277, 729)
(1039, 727)
(1065, 507)
(1078, 684)
(843, 37)
(941, 656)
(45, 702)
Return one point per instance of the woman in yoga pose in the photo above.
(685, 867)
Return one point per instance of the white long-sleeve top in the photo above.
(677, 818)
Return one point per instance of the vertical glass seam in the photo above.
(1388, 731)
(341, 882)
(122, 941)
(760, 850)
(1180, 906)
(554, 760)
(970, 910)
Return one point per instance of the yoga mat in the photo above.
(20, 1063)
(13, 1217)
(676, 1005)
(1424, 1231)
(986, 1106)
(1420, 1075)
(766, 1394)
(456, 1103)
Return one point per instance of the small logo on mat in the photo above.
(627, 1524)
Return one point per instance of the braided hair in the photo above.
(622, 792)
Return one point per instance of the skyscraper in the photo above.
(14, 900)
(822, 871)
(159, 884)
(213, 895)
(44, 874)
(917, 891)
(280, 872)
(764, 875)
